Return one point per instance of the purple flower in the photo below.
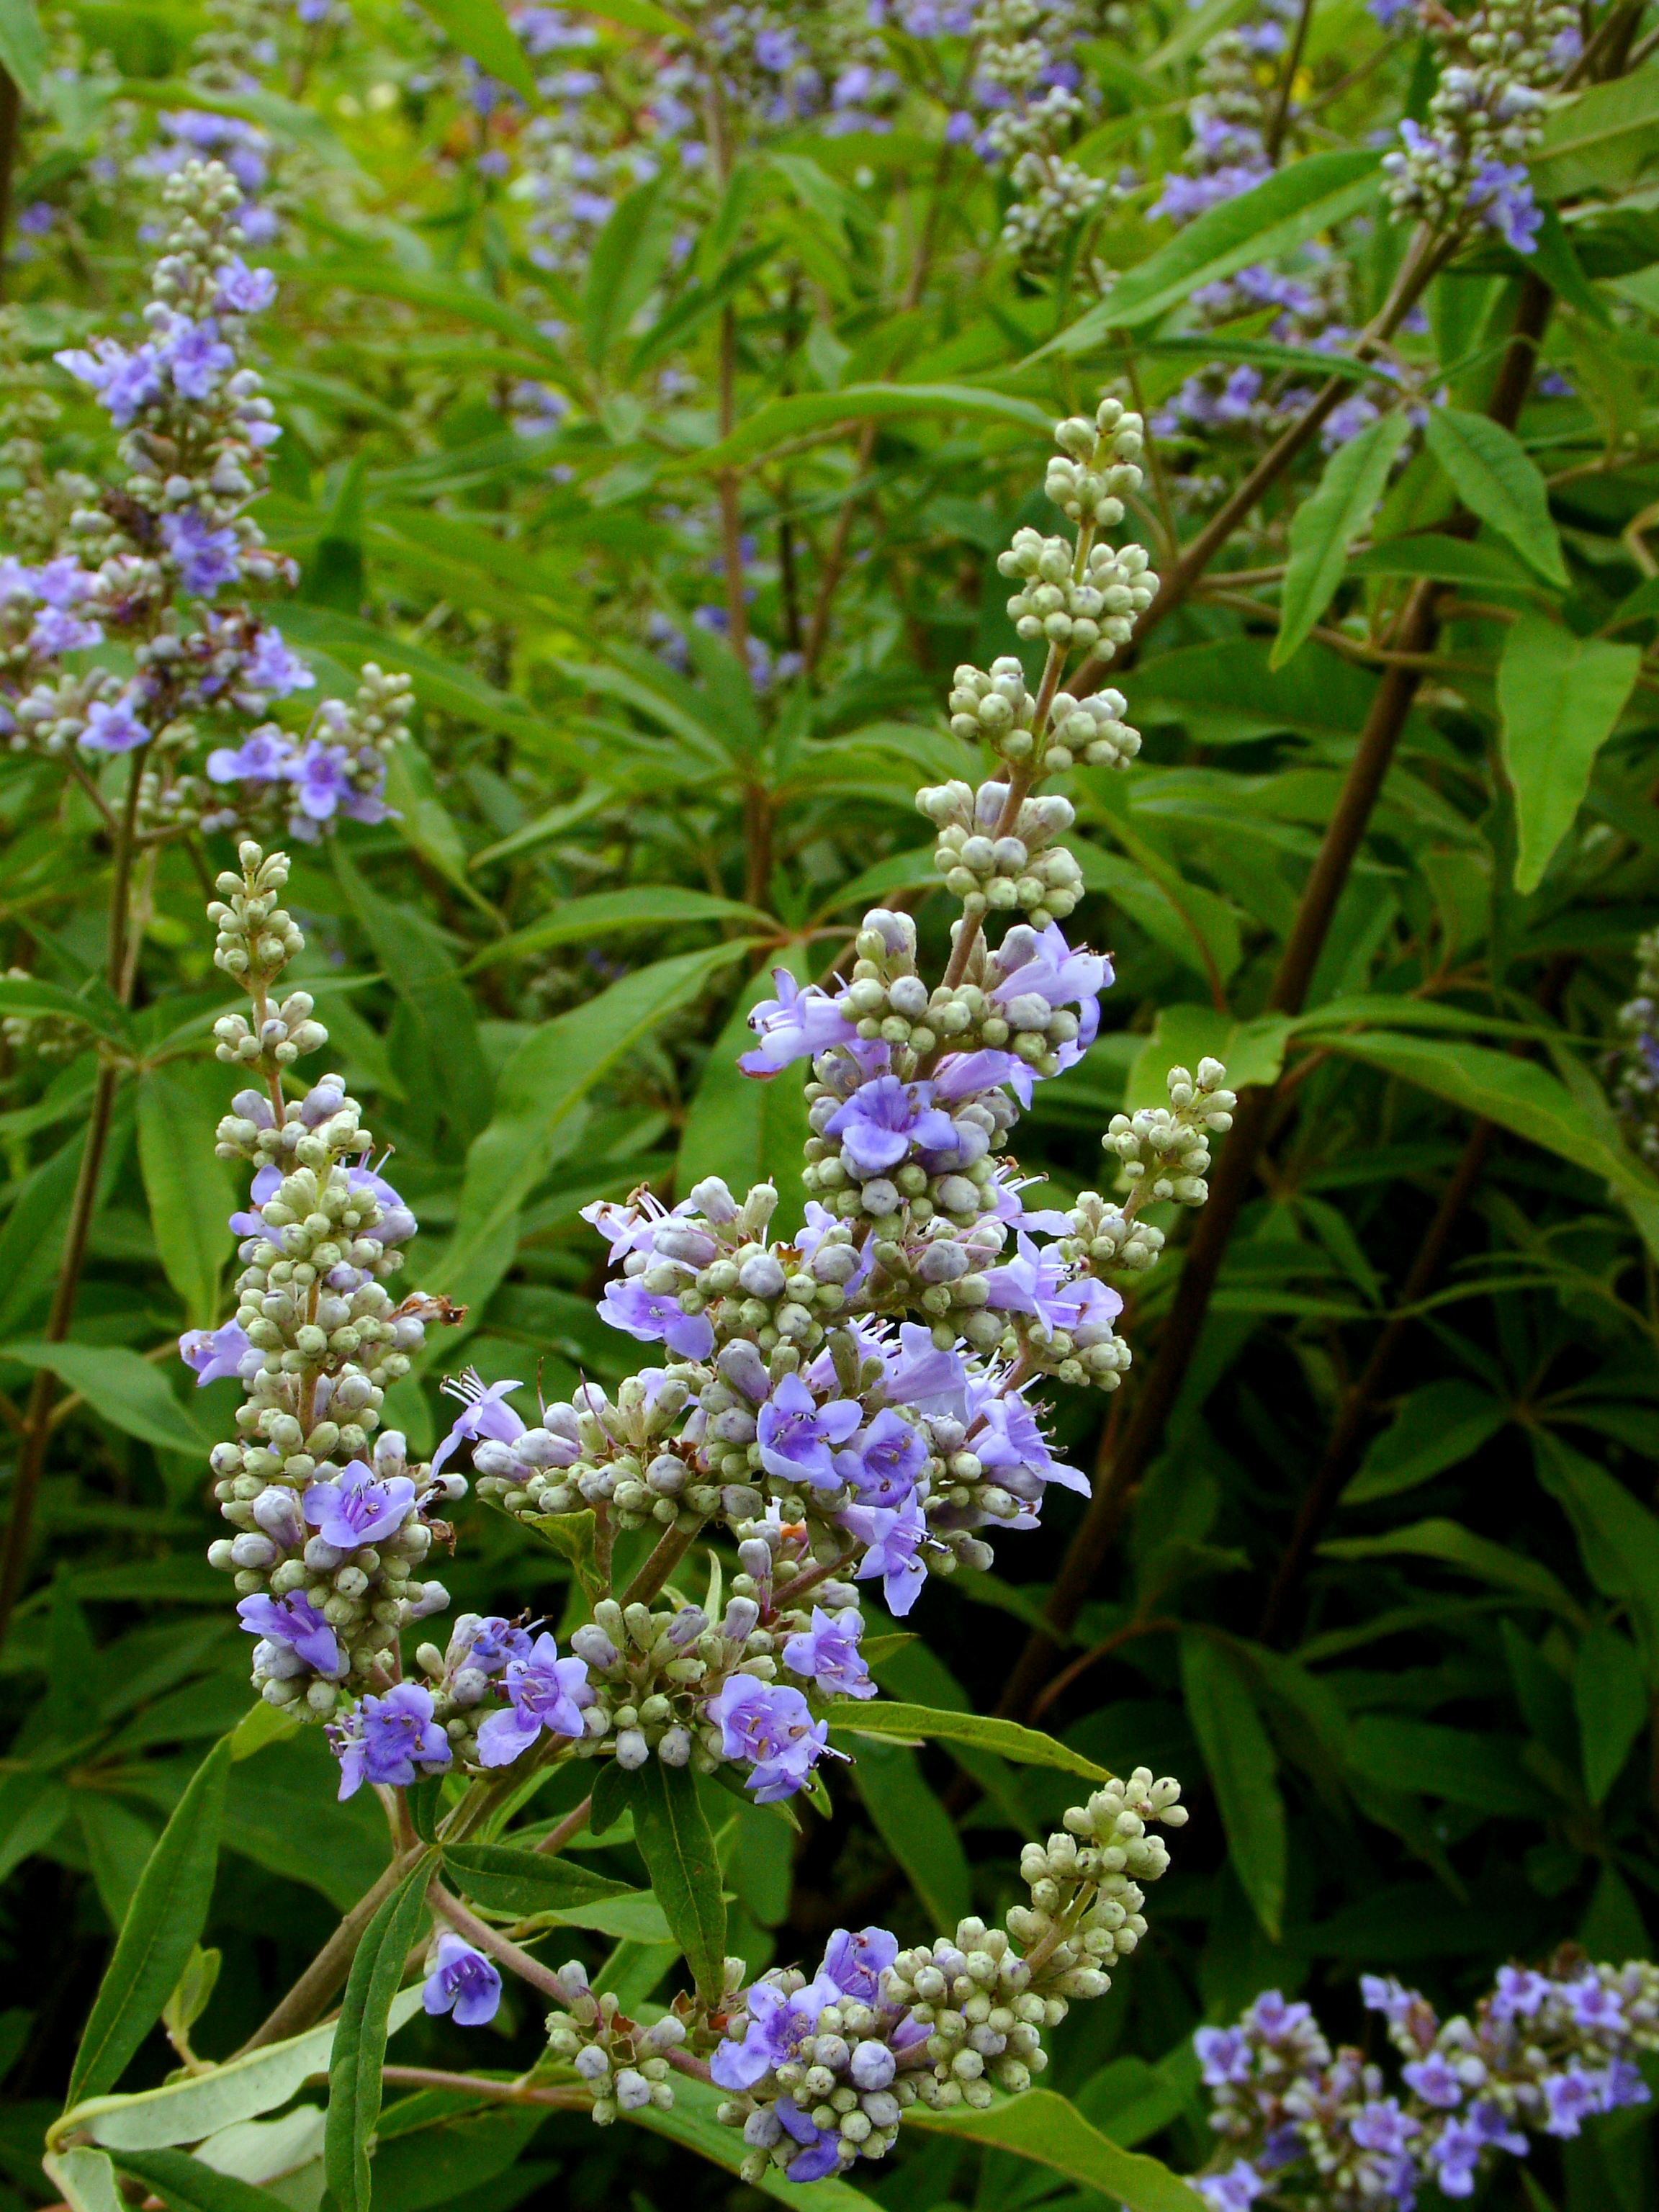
(1455, 2154)
(1050, 969)
(1236, 2191)
(829, 1652)
(822, 2154)
(1519, 1993)
(1592, 2003)
(56, 632)
(388, 1739)
(484, 1414)
(1395, 2002)
(396, 1224)
(267, 1181)
(1569, 2099)
(206, 557)
(856, 1959)
(892, 1536)
(263, 756)
(242, 290)
(883, 1460)
(1380, 2125)
(113, 726)
(493, 1641)
(270, 668)
(797, 1025)
(214, 1353)
(544, 1691)
(654, 1316)
(1010, 1442)
(883, 1119)
(777, 2026)
(321, 776)
(299, 1626)
(359, 1509)
(1434, 2081)
(463, 1981)
(1501, 196)
(933, 1382)
(795, 1433)
(123, 382)
(771, 1728)
(196, 357)
(1223, 2055)
(62, 582)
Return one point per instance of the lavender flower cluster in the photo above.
(146, 564)
(329, 1526)
(820, 2069)
(1468, 164)
(1633, 1070)
(1544, 2051)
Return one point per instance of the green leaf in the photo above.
(612, 1798)
(1618, 1537)
(417, 961)
(1026, 1746)
(189, 1189)
(124, 1390)
(675, 1841)
(359, 2050)
(744, 1128)
(1457, 1546)
(184, 2183)
(1559, 697)
(1449, 560)
(639, 15)
(692, 2125)
(1482, 1772)
(503, 1880)
(1251, 1052)
(609, 913)
(536, 1099)
(1611, 1698)
(1244, 1771)
(185, 2111)
(1438, 1426)
(118, 1844)
(1324, 526)
(916, 1828)
(1601, 138)
(87, 2180)
(1229, 679)
(482, 33)
(28, 995)
(1286, 210)
(625, 261)
(1492, 474)
(286, 118)
(22, 47)
(1042, 2127)
(159, 1934)
(782, 420)
(1518, 1094)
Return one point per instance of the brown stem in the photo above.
(572, 1825)
(489, 1940)
(1234, 1172)
(1337, 1462)
(1131, 1633)
(835, 558)
(1274, 136)
(737, 615)
(322, 1979)
(36, 1418)
(666, 1553)
(562, 2097)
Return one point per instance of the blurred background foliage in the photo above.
(677, 487)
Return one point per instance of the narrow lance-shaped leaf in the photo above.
(1045, 2129)
(184, 2183)
(677, 1846)
(159, 1934)
(507, 1881)
(481, 30)
(354, 2073)
(1324, 527)
(1559, 697)
(1612, 1702)
(127, 1392)
(1027, 1746)
(1244, 1770)
(22, 47)
(1492, 474)
(187, 1187)
(625, 261)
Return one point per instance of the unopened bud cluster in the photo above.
(1633, 1070)
(624, 2063)
(1166, 1149)
(1088, 601)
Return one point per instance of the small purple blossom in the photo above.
(893, 1536)
(544, 1692)
(206, 557)
(655, 1316)
(1223, 2055)
(263, 756)
(462, 1981)
(770, 1727)
(483, 1413)
(796, 1434)
(856, 1959)
(122, 382)
(113, 726)
(360, 1508)
(883, 1120)
(798, 1023)
(776, 2026)
(298, 1625)
(1236, 2191)
(243, 291)
(821, 2155)
(1380, 2125)
(389, 1739)
(195, 355)
(214, 1353)
(829, 1652)
(1433, 2079)
(882, 1463)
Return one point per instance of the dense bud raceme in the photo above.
(1633, 1070)
(849, 1406)
(1306, 2127)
